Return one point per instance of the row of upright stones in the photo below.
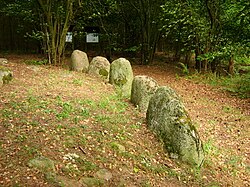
(166, 115)
(118, 73)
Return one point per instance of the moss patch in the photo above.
(103, 72)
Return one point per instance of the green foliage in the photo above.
(3, 68)
(66, 110)
(77, 82)
(133, 49)
(181, 22)
(36, 62)
(209, 148)
(184, 68)
(239, 84)
(216, 30)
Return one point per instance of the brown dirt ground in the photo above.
(221, 120)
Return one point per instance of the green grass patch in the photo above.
(77, 82)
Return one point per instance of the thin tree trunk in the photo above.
(231, 65)
(57, 28)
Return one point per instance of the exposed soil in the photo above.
(33, 123)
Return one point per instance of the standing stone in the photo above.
(121, 75)
(168, 118)
(100, 67)
(5, 75)
(79, 61)
(143, 88)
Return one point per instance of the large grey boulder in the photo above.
(121, 75)
(168, 118)
(79, 61)
(100, 67)
(6, 75)
(143, 88)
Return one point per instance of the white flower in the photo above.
(71, 156)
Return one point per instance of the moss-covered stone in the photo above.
(120, 148)
(100, 67)
(143, 88)
(3, 61)
(79, 61)
(3, 68)
(121, 75)
(5, 75)
(103, 174)
(43, 164)
(168, 118)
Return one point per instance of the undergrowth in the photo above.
(36, 62)
(238, 85)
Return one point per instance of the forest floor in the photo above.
(96, 138)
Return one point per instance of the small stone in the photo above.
(34, 68)
(119, 147)
(103, 174)
(3, 61)
(43, 164)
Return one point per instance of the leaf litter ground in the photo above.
(52, 112)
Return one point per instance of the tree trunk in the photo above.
(231, 65)
(188, 58)
(197, 61)
(56, 27)
(149, 30)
